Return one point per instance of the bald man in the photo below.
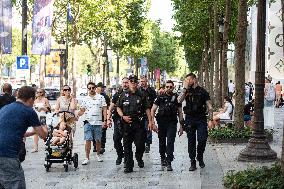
(6, 96)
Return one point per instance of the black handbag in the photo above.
(22, 152)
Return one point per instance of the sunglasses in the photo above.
(169, 87)
(66, 89)
(132, 81)
(91, 88)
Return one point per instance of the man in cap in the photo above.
(131, 107)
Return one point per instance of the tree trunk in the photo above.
(216, 55)
(282, 155)
(240, 62)
(225, 48)
(206, 67)
(74, 70)
(200, 72)
(211, 40)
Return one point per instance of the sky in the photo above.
(162, 9)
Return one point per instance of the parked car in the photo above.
(52, 93)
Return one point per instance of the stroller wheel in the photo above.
(75, 160)
(66, 167)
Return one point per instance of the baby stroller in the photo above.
(60, 153)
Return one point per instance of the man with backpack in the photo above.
(269, 98)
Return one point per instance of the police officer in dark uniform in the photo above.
(167, 121)
(151, 96)
(118, 131)
(131, 107)
(197, 103)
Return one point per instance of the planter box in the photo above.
(235, 140)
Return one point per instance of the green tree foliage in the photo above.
(164, 53)
(192, 19)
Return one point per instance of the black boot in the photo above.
(163, 162)
(128, 170)
(169, 166)
(193, 165)
(201, 162)
(118, 160)
(140, 163)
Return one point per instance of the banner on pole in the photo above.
(144, 67)
(52, 64)
(41, 27)
(6, 26)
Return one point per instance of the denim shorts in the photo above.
(11, 173)
(247, 117)
(92, 132)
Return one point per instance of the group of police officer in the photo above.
(133, 111)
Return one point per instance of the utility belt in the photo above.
(194, 111)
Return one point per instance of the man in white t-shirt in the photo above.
(247, 93)
(93, 106)
(231, 88)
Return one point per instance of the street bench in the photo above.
(229, 122)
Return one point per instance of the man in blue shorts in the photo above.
(93, 106)
(15, 119)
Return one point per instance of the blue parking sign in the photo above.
(22, 62)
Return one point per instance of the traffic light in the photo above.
(89, 70)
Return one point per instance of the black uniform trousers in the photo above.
(117, 137)
(196, 126)
(167, 135)
(134, 132)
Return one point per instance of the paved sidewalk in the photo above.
(219, 158)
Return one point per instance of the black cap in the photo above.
(133, 78)
(100, 84)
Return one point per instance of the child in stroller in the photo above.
(59, 143)
(59, 134)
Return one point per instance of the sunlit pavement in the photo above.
(219, 158)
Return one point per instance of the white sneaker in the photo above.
(85, 162)
(99, 158)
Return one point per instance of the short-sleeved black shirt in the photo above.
(6, 99)
(168, 103)
(133, 104)
(196, 99)
(114, 100)
(150, 94)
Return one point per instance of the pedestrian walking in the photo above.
(231, 89)
(269, 98)
(15, 119)
(278, 90)
(131, 107)
(118, 131)
(101, 90)
(151, 96)
(93, 106)
(6, 96)
(197, 102)
(66, 102)
(42, 107)
(167, 121)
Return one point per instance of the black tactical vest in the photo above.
(133, 105)
(195, 102)
(168, 107)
